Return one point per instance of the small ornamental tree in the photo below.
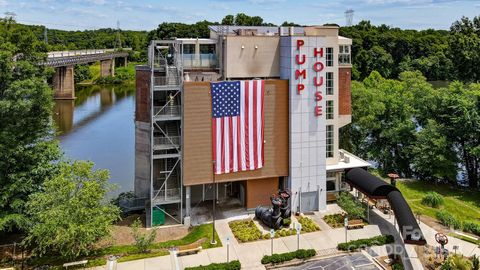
(71, 213)
(142, 240)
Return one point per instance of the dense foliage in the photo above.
(233, 265)
(438, 54)
(449, 220)
(288, 256)
(368, 242)
(433, 199)
(353, 207)
(417, 130)
(245, 230)
(457, 262)
(334, 220)
(27, 146)
(308, 225)
(70, 213)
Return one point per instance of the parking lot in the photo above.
(354, 261)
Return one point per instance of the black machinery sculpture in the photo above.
(273, 217)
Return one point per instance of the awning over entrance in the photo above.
(376, 188)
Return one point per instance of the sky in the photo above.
(147, 14)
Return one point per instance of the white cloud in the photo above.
(3, 3)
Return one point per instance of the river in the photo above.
(99, 126)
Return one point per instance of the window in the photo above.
(331, 185)
(329, 83)
(189, 48)
(344, 55)
(330, 111)
(207, 48)
(329, 57)
(330, 141)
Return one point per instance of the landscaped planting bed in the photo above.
(288, 256)
(233, 265)
(245, 230)
(368, 242)
(308, 225)
(335, 220)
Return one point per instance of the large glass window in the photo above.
(344, 55)
(330, 110)
(330, 141)
(329, 83)
(207, 48)
(329, 57)
(189, 49)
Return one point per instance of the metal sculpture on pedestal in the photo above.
(273, 217)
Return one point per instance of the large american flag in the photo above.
(237, 125)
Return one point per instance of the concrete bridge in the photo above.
(64, 62)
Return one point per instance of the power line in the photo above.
(349, 16)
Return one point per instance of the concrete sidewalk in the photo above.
(251, 253)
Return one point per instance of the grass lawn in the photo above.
(129, 253)
(464, 205)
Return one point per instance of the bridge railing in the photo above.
(56, 54)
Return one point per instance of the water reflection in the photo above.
(98, 126)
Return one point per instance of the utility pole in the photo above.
(118, 41)
(349, 16)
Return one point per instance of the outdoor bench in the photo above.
(189, 249)
(82, 263)
(355, 224)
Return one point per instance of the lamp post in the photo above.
(298, 228)
(228, 244)
(213, 241)
(272, 235)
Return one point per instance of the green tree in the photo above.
(433, 156)
(27, 146)
(228, 20)
(70, 213)
(142, 240)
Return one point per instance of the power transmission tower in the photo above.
(118, 41)
(45, 35)
(349, 16)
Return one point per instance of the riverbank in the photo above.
(123, 75)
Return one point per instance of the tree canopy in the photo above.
(71, 213)
(410, 127)
(27, 147)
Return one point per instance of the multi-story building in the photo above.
(307, 74)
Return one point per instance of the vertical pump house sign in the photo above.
(317, 71)
(303, 61)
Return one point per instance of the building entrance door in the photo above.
(309, 201)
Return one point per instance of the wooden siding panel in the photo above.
(197, 149)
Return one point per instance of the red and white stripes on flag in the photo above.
(237, 125)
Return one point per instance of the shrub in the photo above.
(471, 227)
(397, 266)
(287, 222)
(245, 230)
(142, 241)
(448, 219)
(349, 204)
(283, 257)
(433, 199)
(368, 242)
(334, 221)
(308, 225)
(475, 263)
(457, 262)
(233, 265)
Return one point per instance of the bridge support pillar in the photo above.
(107, 67)
(63, 83)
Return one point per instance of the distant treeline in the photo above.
(439, 54)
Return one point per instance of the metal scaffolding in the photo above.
(166, 84)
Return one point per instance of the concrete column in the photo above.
(63, 83)
(107, 68)
(197, 53)
(188, 200)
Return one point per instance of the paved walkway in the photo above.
(250, 254)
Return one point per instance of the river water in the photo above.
(99, 126)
